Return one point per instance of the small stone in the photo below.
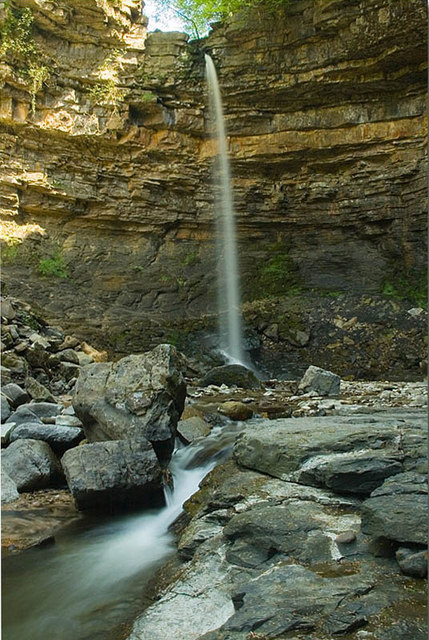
(347, 537)
(6, 430)
(38, 391)
(413, 562)
(69, 355)
(70, 342)
(68, 421)
(7, 310)
(320, 381)
(235, 410)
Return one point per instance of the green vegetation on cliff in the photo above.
(200, 13)
(17, 47)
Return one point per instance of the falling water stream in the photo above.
(228, 282)
(94, 577)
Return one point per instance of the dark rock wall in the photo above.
(107, 178)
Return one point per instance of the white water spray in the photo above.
(228, 286)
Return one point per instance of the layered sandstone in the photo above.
(108, 175)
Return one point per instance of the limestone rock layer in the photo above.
(106, 181)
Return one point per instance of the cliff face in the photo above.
(107, 160)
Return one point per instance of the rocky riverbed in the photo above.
(312, 527)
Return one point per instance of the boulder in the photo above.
(398, 510)
(231, 375)
(192, 428)
(115, 474)
(9, 491)
(235, 410)
(16, 394)
(320, 381)
(7, 310)
(140, 395)
(59, 438)
(31, 464)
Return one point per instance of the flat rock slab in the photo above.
(281, 447)
(113, 475)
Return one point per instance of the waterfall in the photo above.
(230, 328)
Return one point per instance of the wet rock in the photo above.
(16, 394)
(5, 408)
(322, 382)
(398, 510)
(192, 428)
(230, 375)
(235, 410)
(413, 562)
(140, 395)
(9, 491)
(113, 475)
(31, 464)
(60, 439)
(38, 391)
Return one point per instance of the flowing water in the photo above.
(94, 577)
(228, 282)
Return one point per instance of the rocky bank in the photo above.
(312, 526)
(107, 199)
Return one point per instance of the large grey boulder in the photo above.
(322, 382)
(114, 475)
(59, 438)
(231, 375)
(9, 491)
(140, 395)
(398, 510)
(31, 464)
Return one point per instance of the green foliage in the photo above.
(53, 266)
(19, 48)
(106, 91)
(411, 287)
(190, 259)
(277, 275)
(9, 251)
(198, 14)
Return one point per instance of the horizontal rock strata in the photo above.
(107, 165)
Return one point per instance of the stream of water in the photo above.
(94, 577)
(230, 325)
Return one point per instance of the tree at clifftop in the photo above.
(199, 14)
